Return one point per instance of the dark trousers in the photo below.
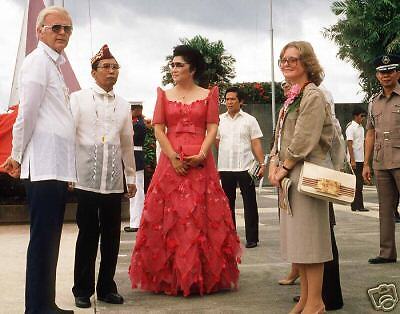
(46, 201)
(358, 202)
(98, 215)
(331, 288)
(229, 181)
(148, 175)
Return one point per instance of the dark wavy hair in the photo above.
(194, 57)
(237, 90)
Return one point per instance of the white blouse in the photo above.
(43, 133)
(104, 140)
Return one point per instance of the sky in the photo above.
(141, 34)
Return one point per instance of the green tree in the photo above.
(220, 65)
(365, 30)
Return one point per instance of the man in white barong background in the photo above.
(104, 144)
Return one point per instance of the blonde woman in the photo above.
(304, 132)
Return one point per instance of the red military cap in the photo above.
(104, 53)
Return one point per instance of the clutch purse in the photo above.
(327, 184)
(254, 169)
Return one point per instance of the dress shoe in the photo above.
(250, 245)
(113, 298)
(56, 310)
(381, 260)
(129, 229)
(363, 210)
(288, 281)
(82, 302)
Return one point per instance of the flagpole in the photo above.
(272, 69)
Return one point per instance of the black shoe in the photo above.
(250, 245)
(381, 260)
(363, 210)
(296, 298)
(129, 229)
(113, 298)
(82, 302)
(56, 310)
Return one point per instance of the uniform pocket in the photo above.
(377, 117)
(396, 114)
(395, 150)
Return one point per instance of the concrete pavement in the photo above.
(357, 238)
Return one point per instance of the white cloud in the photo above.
(10, 24)
(140, 35)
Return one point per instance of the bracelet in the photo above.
(202, 154)
(285, 168)
(261, 164)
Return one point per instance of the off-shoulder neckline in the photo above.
(191, 103)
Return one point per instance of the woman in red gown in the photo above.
(186, 242)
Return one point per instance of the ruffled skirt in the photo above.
(187, 242)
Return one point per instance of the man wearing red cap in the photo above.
(104, 142)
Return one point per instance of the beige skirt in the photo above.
(305, 236)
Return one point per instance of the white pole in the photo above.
(272, 69)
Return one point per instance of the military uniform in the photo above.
(384, 118)
(137, 202)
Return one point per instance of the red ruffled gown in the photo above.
(186, 242)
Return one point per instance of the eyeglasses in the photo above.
(109, 66)
(177, 64)
(291, 61)
(56, 28)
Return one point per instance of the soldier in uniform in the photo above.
(136, 203)
(383, 140)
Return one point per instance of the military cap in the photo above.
(135, 105)
(104, 53)
(387, 62)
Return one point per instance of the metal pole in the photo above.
(272, 69)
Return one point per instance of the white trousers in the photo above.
(137, 202)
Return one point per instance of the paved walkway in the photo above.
(357, 236)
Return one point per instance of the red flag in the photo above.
(6, 125)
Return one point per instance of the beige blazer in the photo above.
(307, 132)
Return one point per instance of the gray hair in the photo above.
(48, 10)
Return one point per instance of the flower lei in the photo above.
(291, 103)
(293, 99)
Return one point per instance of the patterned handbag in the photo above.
(327, 184)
